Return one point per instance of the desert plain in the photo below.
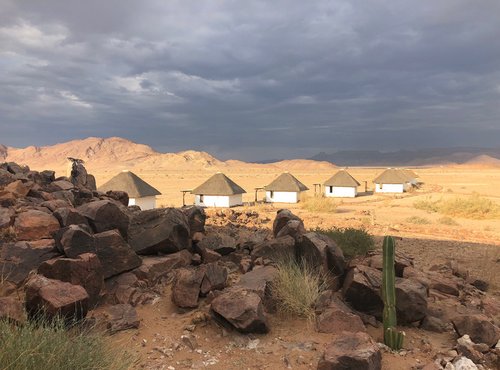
(430, 238)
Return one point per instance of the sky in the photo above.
(252, 80)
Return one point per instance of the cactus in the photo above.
(392, 337)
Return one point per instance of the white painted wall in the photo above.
(144, 202)
(390, 188)
(222, 201)
(282, 197)
(341, 191)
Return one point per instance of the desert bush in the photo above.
(474, 206)
(318, 204)
(446, 220)
(296, 287)
(40, 345)
(353, 242)
(427, 205)
(418, 220)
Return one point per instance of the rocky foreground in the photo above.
(66, 249)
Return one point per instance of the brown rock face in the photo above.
(12, 309)
(215, 278)
(242, 309)
(220, 243)
(411, 301)
(6, 217)
(54, 297)
(18, 189)
(275, 249)
(283, 216)
(70, 216)
(196, 218)
(401, 261)
(74, 240)
(336, 319)
(86, 271)
(186, 287)
(104, 215)
(362, 289)
(156, 268)
(159, 231)
(34, 225)
(322, 252)
(119, 196)
(114, 253)
(353, 351)
(478, 327)
(293, 228)
(17, 260)
(119, 317)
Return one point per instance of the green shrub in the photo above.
(353, 242)
(318, 204)
(296, 287)
(427, 205)
(43, 345)
(418, 220)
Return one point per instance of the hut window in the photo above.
(271, 195)
(331, 189)
(201, 198)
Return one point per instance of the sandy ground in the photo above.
(293, 343)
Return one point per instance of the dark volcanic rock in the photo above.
(17, 260)
(75, 240)
(283, 216)
(104, 215)
(70, 216)
(337, 318)
(34, 225)
(353, 351)
(186, 287)
(196, 218)
(154, 269)
(478, 327)
(411, 301)
(119, 317)
(215, 278)
(362, 290)
(276, 249)
(159, 231)
(242, 309)
(55, 298)
(220, 243)
(114, 253)
(86, 270)
(119, 196)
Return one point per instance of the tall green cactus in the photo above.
(392, 337)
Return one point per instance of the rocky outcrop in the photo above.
(283, 216)
(186, 287)
(55, 298)
(159, 231)
(478, 327)
(240, 309)
(35, 225)
(104, 215)
(351, 351)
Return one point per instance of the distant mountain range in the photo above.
(421, 157)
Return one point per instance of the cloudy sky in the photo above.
(252, 79)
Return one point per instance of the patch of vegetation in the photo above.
(474, 206)
(318, 204)
(297, 287)
(42, 345)
(8, 235)
(353, 242)
(418, 220)
(446, 220)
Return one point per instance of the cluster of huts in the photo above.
(220, 191)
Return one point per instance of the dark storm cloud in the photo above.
(251, 80)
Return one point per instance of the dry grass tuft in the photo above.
(8, 234)
(318, 204)
(474, 206)
(50, 345)
(297, 288)
(417, 220)
(446, 220)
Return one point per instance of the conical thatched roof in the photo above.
(342, 179)
(286, 182)
(392, 176)
(410, 174)
(219, 184)
(132, 184)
